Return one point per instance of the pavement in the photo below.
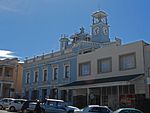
(5, 111)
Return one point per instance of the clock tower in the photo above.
(100, 27)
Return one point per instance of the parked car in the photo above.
(95, 109)
(4, 102)
(58, 106)
(16, 104)
(127, 110)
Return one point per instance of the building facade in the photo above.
(44, 74)
(10, 78)
(113, 76)
(91, 67)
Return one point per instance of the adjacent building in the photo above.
(10, 78)
(92, 68)
(113, 75)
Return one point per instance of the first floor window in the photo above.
(36, 76)
(104, 65)
(84, 69)
(55, 73)
(45, 75)
(27, 77)
(66, 71)
(127, 61)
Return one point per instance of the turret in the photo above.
(100, 27)
(63, 42)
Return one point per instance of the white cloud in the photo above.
(6, 8)
(10, 5)
(6, 54)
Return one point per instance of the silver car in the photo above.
(127, 110)
(4, 102)
(16, 104)
(58, 106)
(94, 109)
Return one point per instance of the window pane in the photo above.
(120, 90)
(55, 73)
(125, 89)
(67, 71)
(131, 89)
(36, 76)
(27, 78)
(45, 75)
(84, 69)
(104, 65)
(127, 61)
(114, 90)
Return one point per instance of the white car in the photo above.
(94, 109)
(58, 106)
(127, 110)
(4, 102)
(16, 104)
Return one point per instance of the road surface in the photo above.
(5, 111)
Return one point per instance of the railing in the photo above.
(117, 42)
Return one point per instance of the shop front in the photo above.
(114, 92)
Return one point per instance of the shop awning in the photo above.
(103, 80)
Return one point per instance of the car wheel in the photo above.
(1, 107)
(12, 108)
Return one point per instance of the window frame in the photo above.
(45, 78)
(36, 78)
(81, 67)
(99, 65)
(66, 72)
(55, 75)
(121, 67)
(27, 78)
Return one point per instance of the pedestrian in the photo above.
(38, 108)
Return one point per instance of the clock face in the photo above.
(96, 30)
(105, 30)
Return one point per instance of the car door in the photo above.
(16, 104)
(5, 102)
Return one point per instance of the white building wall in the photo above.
(114, 52)
(139, 85)
(147, 69)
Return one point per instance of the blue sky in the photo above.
(34, 27)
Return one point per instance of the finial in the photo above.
(82, 30)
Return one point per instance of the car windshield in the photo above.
(127, 111)
(83, 109)
(55, 103)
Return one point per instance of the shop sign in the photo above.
(127, 100)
